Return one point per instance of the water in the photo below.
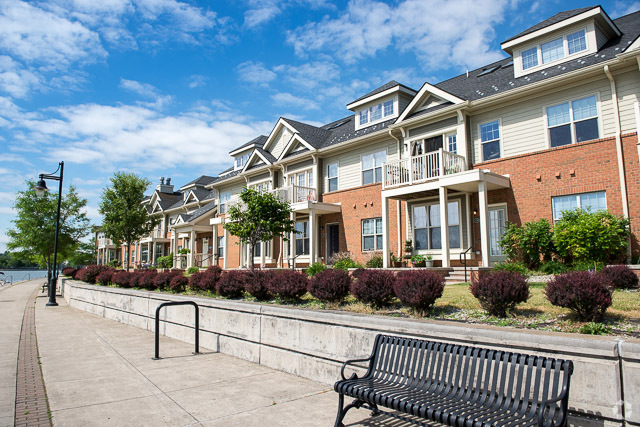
(19, 275)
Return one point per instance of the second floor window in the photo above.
(572, 122)
(224, 198)
(552, 51)
(452, 144)
(372, 167)
(376, 112)
(332, 177)
(530, 58)
(242, 160)
(490, 140)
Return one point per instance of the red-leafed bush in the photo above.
(585, 293)
(179, 283)
(104, 278)
(163, 280)
(500, 292)
(90, 272)
(209, 278)
(121, 279)
(330, 285)
(358, 272)
(194, 281)
(620, 277)
(231, 283)
(134, 279)
(147, 280)
(259, 283)
(419, 289)
(80, 274)
(289, 285)
(374, 287)
(69, 271)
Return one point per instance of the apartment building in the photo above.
(551, 127)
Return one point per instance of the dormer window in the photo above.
(377, 112)
(242, 160)
(554, 50)
(576, 42)
(530, 58)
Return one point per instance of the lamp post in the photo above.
(41, 188)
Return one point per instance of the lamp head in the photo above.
(41, 187)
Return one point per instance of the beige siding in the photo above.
(281, 140)
(601, 38)
(349, 167)
(628, 88)
(232, 188)
(403, 102)
(523, 127)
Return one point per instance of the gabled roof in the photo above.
(167, 201)
(425, 91)
(259, 154)
(313, 135)
(201, 181)
(200, 211)
(381, 89)
(558, 17)
(258, 142)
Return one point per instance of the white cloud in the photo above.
(148, 91)
(262, 11)
(310, 75)
(255, 73)
(196, 81)
(287, 99)
(440, 33)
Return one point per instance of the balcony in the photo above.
(423, 168)
(296, 194)
(103, 242)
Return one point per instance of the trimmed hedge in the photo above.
(585, 293)
(419, 289)
(620, 277)
(259, 283)
(500, 292)
(104, 278)
(374, 287)
(163, 280)
(289, 285)
(330, 285)
(121, 279)
(69, 271)
(179, 283)
(231, 283)
(147, 280)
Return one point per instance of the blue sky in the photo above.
(168, 87)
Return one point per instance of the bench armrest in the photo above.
(546, 403)
(349, 362)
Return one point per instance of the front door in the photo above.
(497, 225)
(333, 240)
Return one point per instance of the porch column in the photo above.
(484, 222)
(153, 253)
(385, 232)
(263, 247)
(214, 236)
(98, 256)
(292, 252)
(225, 249)
(192, 248)
(444, 226)
(312, 237)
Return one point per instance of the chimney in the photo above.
(162, 180)
(163, 187)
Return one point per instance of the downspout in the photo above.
(620, 154)
(398, 203)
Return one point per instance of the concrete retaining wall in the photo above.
(313, 343)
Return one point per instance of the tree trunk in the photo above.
(252, 249)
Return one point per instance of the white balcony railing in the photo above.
(104, 242)
(426, 167)
(158, 233)
(296, 194)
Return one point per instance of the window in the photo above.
(332, 175)
(364, 116)
(242, 160)
(388, 108)
(257, 251)
(262, 187)
(530, 58)
(220, 247)
(372, 167)
(224, 198)
(452, 145)
(376, 112)
(574, 121)
(576, 42)
(426, 226)
(592, 201)
(302, 238)
(552, 51)
(372, 234)
(490, 138)
(133, 255)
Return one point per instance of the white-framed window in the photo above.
(388, 108)
(576, 42)
(427, 224)
(224, 198)
(573, 121)
(490, 140)
(364, 116)
(372, 234)
(257, 252)
(261, 187)
(332, 176)
(242, 160)
(376, 112)
(371, 165)
(302, 238)
(554, 50)
(220, 247)
(594, 201)
(530, 58)
(452, 143)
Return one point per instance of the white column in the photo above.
(385, 232)
(214, 236)
(263, 249)
(292, 253)
(312, 237)
(444, 226)
(192, 249)
(226, 249)
(484, 222)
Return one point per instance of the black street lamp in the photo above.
(41, 188)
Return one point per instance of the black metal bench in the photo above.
(458, 385)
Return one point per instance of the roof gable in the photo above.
(257, 156)
(273, 136)
(427, 91)
(386, 89)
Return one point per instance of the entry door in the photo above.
(333, 240)
(497, 225)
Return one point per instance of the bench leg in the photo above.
(375, 410)
(342, 410)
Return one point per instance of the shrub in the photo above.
(192, 270)
(163, 280)
(500, 292)
(179, 283)
(527, 244)
(104, 278)
(374, 262)
(209, 278)
(620, 277)
(315, 269)
(586, 294)
(419, 289)
(374, 287)
(357, 272)
(587, 266)
(259, 283)
(343, 261)
(69, 271)
(553, 267)
(330, 285)
(514, 267)
(90, 272)
(134, 279)
(147, 280)
(231, 283)
(165, 261)
(194, 281)
(121, 279)
(591, 236)
(81, 274)
(289, 285)
(114, 263)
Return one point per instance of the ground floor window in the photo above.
(221, 247)
(257, 252)
(372, 234)
(302, 238)
(426, 226)
(595, 201)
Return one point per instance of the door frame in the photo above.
(326, 227)
(497, 258)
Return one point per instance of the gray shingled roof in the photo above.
(200, 211)
(382, 88)
(201, 180)
(259, 141)
(558, 17)
(167, 201)
(315, 136)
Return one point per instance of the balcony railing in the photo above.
(296, 194)
(103, 242)
(426, 167)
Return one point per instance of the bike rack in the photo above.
(197, 326)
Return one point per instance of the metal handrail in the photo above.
(199, 262)
(464, 260)
(197, 326)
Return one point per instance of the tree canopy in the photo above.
(125, 218)
(259, 218)
(35, 225)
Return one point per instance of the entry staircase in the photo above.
(457, 275)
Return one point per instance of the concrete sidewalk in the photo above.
(99, 372)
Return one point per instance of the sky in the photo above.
(169, 87)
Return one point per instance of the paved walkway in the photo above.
(99, 372)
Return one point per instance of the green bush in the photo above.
(514, 267)
(374, 262)
(315, 269)
(192, 270)
(114, 263)
(553, 267)
(599, 236)
(526, 244)
(165, 261)
(587, 266)
(343, 261)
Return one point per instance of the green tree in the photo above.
(258, 218)
(35, 225)
(125, 217)
(83, 254)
